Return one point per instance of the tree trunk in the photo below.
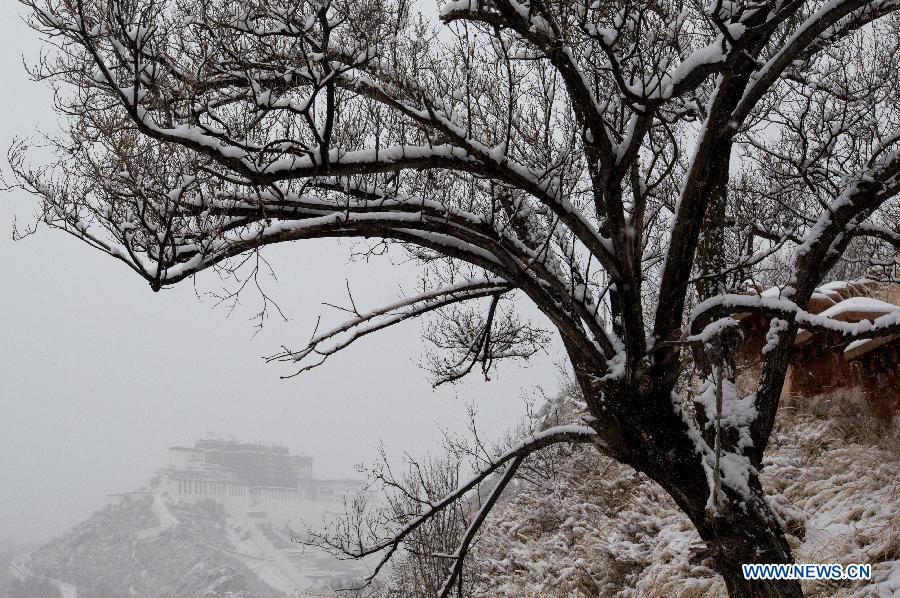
(737, 532)
(645, 430)
(737, 537)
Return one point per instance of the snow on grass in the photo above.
(257, 554)
(844, 498)
(594, 527)
(163, 515)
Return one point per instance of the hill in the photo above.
(587, 526)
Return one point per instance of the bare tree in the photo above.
(391, 503)
(422, 571)
(623, 165)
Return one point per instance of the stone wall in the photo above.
(827, 374)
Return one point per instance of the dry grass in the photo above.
(834, 482)
(889, 293)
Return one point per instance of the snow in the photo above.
(827, 320)
(459, 6)
(891, 584)
(834, 285)
(855, 344)
(737, 412)
(773, 292)
(867, 305)
(163, 515)
(254, 550)
(598, 525)
(711, 54)
(714, 329)
(829, 298)
(773, 334)
(846, 497)
(769, 72)
(21, 571)
(736, 470)
(615, 367)
(343, 335)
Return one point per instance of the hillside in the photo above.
(129, 550)
(575, 524)
(196, 531)
(591, 527)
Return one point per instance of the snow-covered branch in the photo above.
(823, 27)
(323, 345)
(706, 316)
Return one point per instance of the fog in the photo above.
(99, 376)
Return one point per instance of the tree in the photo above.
(625, 166)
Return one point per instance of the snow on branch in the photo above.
(824, 22)
(471, 339)
(705, 318)
(469, 535)
(880, 232)
(325, 344)
(878, 182)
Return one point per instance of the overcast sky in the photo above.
(98, 375)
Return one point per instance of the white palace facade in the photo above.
(246, 474)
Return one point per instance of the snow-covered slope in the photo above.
(148, 546)
(590, 527)
(154, 546)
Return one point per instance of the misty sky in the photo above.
(98, 375)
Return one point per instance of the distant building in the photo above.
(234, 471)
(257, 464)
(266, 498)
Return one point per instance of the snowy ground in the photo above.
(21, 571)
(595, 528)
(258, 554)
(150, 544)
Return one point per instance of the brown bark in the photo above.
(739, 530)
(652, 437)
